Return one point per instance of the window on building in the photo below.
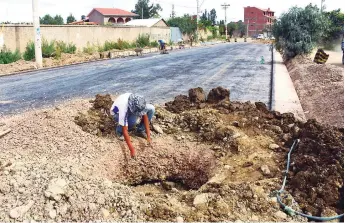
(264, 13)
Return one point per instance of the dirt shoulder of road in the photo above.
(320, 88)
(209, 161)
(69, 59)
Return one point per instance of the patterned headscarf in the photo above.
(137, 104)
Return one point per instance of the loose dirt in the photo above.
(213, 162)
(320, 88)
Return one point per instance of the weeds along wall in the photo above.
(17, 36)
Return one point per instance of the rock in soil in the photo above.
(273, 146)
(157, 129)
(265, 170)
(20, 211)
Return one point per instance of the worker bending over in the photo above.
(161, 44)
(127, 109)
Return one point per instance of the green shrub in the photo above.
(209, 38)
(109, 45)
(7, 56)
(89, 49)
(143, 40)
(48, 48)
(29, 53)
(58, 51)
(66, 48)
(154, 44)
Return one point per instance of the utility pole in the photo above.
(142, 13)
(37, 34)
(225, 6)
(322, 1)
(197, 19)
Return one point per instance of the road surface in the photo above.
(158, 77)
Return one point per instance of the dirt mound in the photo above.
(317, 163)
(196, 95)
(181, 103)
(318, 169)
(320, 88)
(218, 94)
(98, 120)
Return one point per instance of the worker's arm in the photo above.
(147, 127)
(128, 140)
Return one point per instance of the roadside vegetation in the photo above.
(7, 56)
(300, 30)
(49, 49)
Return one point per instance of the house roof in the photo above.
(113, 12)
(144, 22)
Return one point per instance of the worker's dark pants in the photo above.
(162, 46)
(132, 120)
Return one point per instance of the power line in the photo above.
(172, 3)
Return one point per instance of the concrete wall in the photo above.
(16, 37)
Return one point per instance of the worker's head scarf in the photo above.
(137, 104)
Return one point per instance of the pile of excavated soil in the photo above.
(320, 88)
(317, 179)
(98, 120)
(216, 161)
(318, 166)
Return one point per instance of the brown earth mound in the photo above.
(98, 120)
(318, 169)
(180, 104)
(320, 88)
(196, 95)
(218, 94)
(317, 178)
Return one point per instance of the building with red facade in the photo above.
(258, 20)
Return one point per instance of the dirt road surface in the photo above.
(158, 77)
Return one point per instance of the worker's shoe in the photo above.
(141, 134)
(120, 137)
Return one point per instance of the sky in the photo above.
(21, 10)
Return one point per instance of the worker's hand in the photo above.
(128, 140)
(147, 128)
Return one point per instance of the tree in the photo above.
(299, 30)
(186, 24)
(221, 27)
(70, 18)
(49, 20)
(142, 6)
(241, 28)
(213, 16)
(232, 26)
(336, 26)
(204, 15)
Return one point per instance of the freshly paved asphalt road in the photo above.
(158, 77)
